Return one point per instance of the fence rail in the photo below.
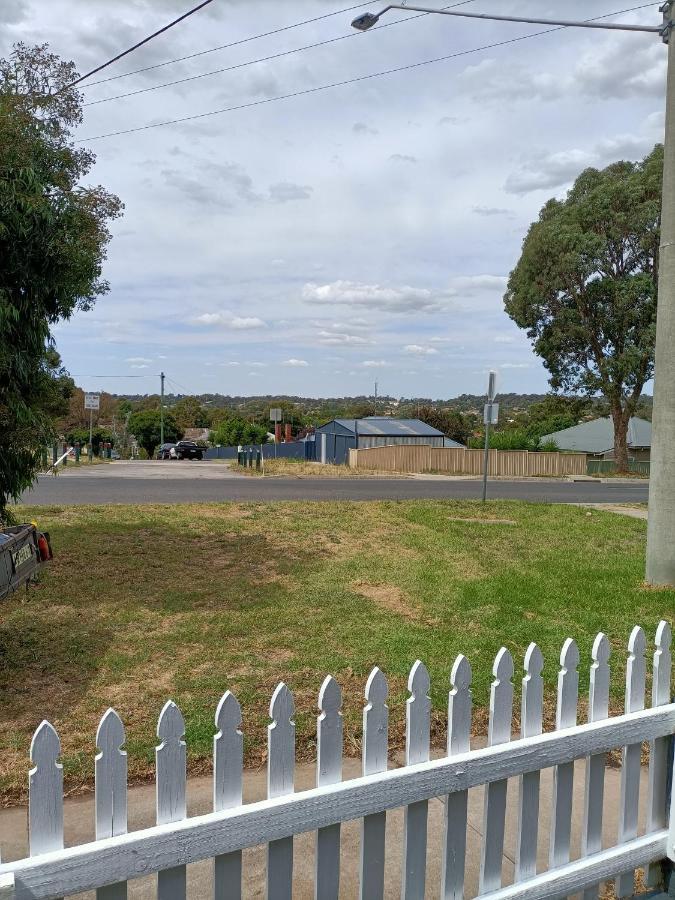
(459, 461)
(176, 840)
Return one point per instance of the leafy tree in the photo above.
(146, 428)
(189, 413)
(232, 432)
(450, 422)
(508, 439)
(53, 239)
(99, 435)
(586, 283)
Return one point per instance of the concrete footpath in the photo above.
(79, 817)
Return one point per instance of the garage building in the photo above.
(375, 431)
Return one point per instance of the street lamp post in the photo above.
(661, 525)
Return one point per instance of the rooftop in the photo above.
(597, 436)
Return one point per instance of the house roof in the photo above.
(390, 427)
(597, 436)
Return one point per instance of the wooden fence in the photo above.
(176, 840)
(458, 461)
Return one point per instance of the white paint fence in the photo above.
(117, 856)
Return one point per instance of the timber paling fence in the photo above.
(106, 864)
(459, 461)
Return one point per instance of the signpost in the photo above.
(91, 402)
(275, 416)
(490, 417)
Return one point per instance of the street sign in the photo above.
(492, 385)
(92, 401)
(275, 414)
(490, 413)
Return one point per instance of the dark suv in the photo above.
(186, 450)
(164, 451)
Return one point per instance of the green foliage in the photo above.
(509, 439)
(146, 428)
(548, 447)
(189, 413)
(53, 238)
(143, 453)
(232, 432)
(451, 423)
(585, 286)
(98, 436)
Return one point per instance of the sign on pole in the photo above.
(490, 413)
(275, 414)
(92, 401)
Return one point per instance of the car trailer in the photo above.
(23, 552)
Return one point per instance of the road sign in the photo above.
(92, 401)
(490, 413)
(275, 414)
(492, 386)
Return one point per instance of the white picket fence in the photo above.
(115, 857)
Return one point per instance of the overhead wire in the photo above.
(347, 81)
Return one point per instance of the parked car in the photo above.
(186, 450)
(164, 451)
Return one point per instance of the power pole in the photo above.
(376, 398)
(661, 516)
(161, 408)
(487, 419)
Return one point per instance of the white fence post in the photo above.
(594, 791)
(228, 762)
(328, 771)
(375, 750)
(563, 775)
(532, 710)
(456, 805)
(170, 762)
(111, 790)
(499, 732)
(636, 675)
(657, 811)
(418, 723)
(45, 792)
(280, 781)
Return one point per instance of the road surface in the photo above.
(193, 482)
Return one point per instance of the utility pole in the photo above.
(661, 516)
(376, 398)
(487, 419)
(161, 407)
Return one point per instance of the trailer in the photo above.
(23, 552)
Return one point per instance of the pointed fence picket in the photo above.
(106, 864)
(531, 718)
(636, 677)
(594, 791)
(111, 790)
(494, 815)
(280, 781)
(456, 805)
(228, 777)
(170, 762)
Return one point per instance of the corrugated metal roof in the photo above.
(597, 436)
(390, 427)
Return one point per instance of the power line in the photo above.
(260, 59)
(356, 80)
(145, 40)
(147, 375)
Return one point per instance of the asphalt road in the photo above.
(201, 483)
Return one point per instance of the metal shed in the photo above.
(375, 431)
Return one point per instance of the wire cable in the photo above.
(145, 40)
(356, 80)
(252, 62)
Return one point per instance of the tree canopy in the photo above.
(585, 287)
(53, 239)
(146, 426)
(234, 431)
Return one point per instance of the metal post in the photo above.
(161, 408)
(661, 524)
(91, 438)
(487, 419)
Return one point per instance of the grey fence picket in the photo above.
(531, 716)
(375, 749)
(228, 763)
(280, 781)
(456, 805)
(328, 771)
(110, 768)
(499, 732)
(657, 811)
(170, 763)
(594, 790)
(563, 775)
(636, 676)
(418, 722)
(45, 792)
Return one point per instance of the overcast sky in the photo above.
(316, 244)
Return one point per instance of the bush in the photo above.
(143, 453)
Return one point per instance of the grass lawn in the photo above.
(143, 603)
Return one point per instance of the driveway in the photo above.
(208, 481)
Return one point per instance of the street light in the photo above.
(661, 524)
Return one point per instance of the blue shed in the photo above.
(376, 431)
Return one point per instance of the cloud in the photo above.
(503, 339)
(295, 363)
(515, 366)
(12, 12)
(138, 360)
(403, 299)
(336, 338)
(374, 363)
(403, 157)
(419, 350)
(363, 128)
(468, 284)
(284, 191)
(227, 320)
(490, 211)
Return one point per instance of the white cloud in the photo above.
(295, 363)
(503, 339)
(138, 360)
(419, 350)
(336, 338)
(403, 299)
(515, 366)
(374, 363)
(227, 320)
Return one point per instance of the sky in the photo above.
(316, 244)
